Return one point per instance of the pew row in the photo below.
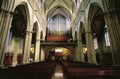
(80, 70)
(41, 70)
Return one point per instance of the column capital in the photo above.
(109, 11)
(28, 31)
(3, 11)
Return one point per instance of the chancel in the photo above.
(59, 39)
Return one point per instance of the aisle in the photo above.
(58, 73)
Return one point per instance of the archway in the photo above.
(82, 38)
(59, 53)
(16, 37)
(100, 36)
(33, 42)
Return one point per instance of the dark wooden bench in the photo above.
(41, 70)
(78, 70)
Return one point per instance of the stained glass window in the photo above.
(107, 39)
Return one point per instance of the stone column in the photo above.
(101, 50)
(37, 51)
(27, 45)
(4, 29)
(114, 32)
(113, 29)
(76, 56)
(14, 49)
(80, 51)
(90, 48)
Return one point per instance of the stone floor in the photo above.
(58, 73)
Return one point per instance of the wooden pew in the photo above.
(41, 70)
(78, 70)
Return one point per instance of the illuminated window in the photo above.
(95, 42)
(9, 37)
(107, 39)
(58, 50)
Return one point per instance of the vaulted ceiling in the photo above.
(97, 20)
(63, 7)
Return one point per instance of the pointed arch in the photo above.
(97, 28)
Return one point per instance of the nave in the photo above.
(60, 70)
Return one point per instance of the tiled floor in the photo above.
(58, 74)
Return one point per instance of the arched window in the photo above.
(107, 39)
(9, 39)
(95, 41)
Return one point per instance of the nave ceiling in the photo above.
(63, 7)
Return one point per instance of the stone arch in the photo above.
(26, 11)
(82, 33)
(97, 28)
(17, 34)
(82, 42)
(67, 52)
(33, 41)
(113, 22)
(46, 48)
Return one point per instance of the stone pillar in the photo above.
(15, 49)
(26, 54)
(90, 48)
(101, 50)
(80, 51)
(114, 32)
(4, 29)
(76, 56)
(37, 51)
(113, 29)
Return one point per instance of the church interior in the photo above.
(59, 39)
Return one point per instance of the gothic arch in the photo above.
(82, 33)
(26, 11)
(97, 27)
(51, 49)
(17, 33)
(34, 40)
(96, 18)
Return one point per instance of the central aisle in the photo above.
(58, 73)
